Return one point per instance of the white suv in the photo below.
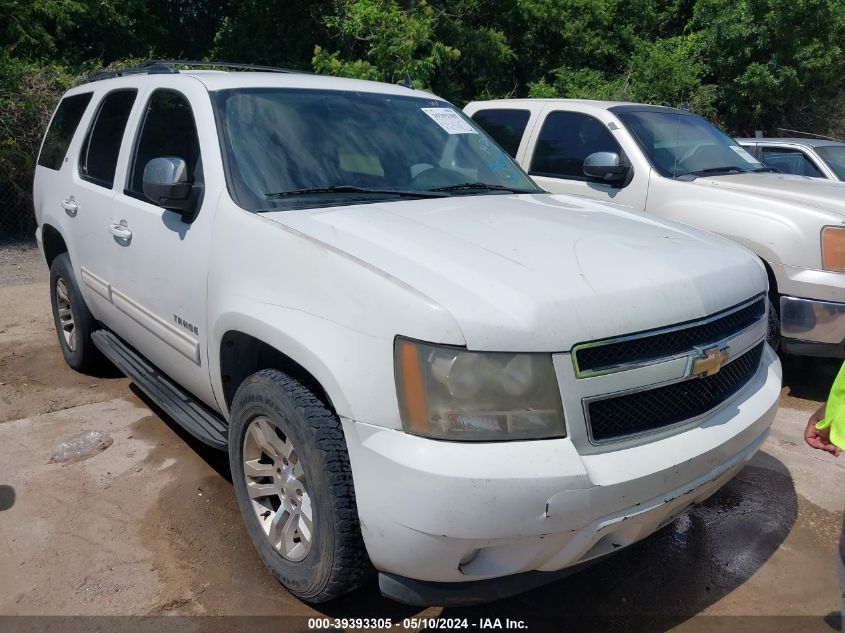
(417, 361)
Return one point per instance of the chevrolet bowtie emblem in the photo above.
(710, 361)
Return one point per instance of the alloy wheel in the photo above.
(275, 482)
(66, 320)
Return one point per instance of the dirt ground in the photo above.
(150, 526)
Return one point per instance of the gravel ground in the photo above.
(20, 262)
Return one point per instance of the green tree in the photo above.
(379, 39)
(274, 32)
(773, 62)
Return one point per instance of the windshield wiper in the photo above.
(758, 170)
(714, 171)
(402, 193)
(481, 186)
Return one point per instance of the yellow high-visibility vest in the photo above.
(834, 413)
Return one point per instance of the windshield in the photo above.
(292, 148)
(685, 144)
(834, 156)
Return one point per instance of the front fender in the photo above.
(325, 310)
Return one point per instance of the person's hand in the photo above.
(819, 438)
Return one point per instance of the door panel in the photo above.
(159, 267)
(93, 181)
(561, 145)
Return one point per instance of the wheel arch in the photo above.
(773, 282)
(242, 354)
(53, 243)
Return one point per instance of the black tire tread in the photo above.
(87, 357)
(351, 567)
(773, 327)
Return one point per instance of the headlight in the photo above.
(451, 394)
(833, 248)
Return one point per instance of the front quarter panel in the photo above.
(332, 314)
(779, 232)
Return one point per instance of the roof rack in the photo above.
(169, 67)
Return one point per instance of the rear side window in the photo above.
(168, 129)
(790, 161)
(98, 159)
(505, 126)
(61, 130)
(566, 139)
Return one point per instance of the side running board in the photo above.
(194, 417)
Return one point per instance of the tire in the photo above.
(71, 317)
(277, 424)
(773, 334)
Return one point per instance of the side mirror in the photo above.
(605, 166)
(167, 184)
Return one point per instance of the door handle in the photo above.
(121, 231)
(70, 206)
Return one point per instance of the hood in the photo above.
(540, 272)
(826, 195)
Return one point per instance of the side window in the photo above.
(167, 129)
(790, 161)
(751, 149)
(565, 140)
(505, 126)
(98, 158)
(61, 130)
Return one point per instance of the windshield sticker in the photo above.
(748, 158)
(449, 120)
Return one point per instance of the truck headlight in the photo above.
(449, 393)
(833, 248)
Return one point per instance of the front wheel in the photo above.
(293, 483)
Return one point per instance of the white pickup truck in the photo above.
(418, 362)
(676, 165)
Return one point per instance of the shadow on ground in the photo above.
(218, 460)
(809, 378)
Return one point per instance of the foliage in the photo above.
(273, 32)
(28, 94)
(385, 41)
(773, 62)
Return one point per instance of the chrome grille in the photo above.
(653, 409)
(602, 356)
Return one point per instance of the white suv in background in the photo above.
(418, 362)
(676, 165)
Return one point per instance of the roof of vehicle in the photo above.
(615, 106)
(809, 142)
(222, 80)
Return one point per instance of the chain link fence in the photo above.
(17, 219)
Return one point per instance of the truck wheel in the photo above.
(773, 334)
(73, 321)
(293, 483)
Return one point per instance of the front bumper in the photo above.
(447, 512)
(812, 327)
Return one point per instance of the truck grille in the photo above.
(653, 409)
(646, 347)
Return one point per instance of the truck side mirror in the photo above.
(606, 166)
(166, 183)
